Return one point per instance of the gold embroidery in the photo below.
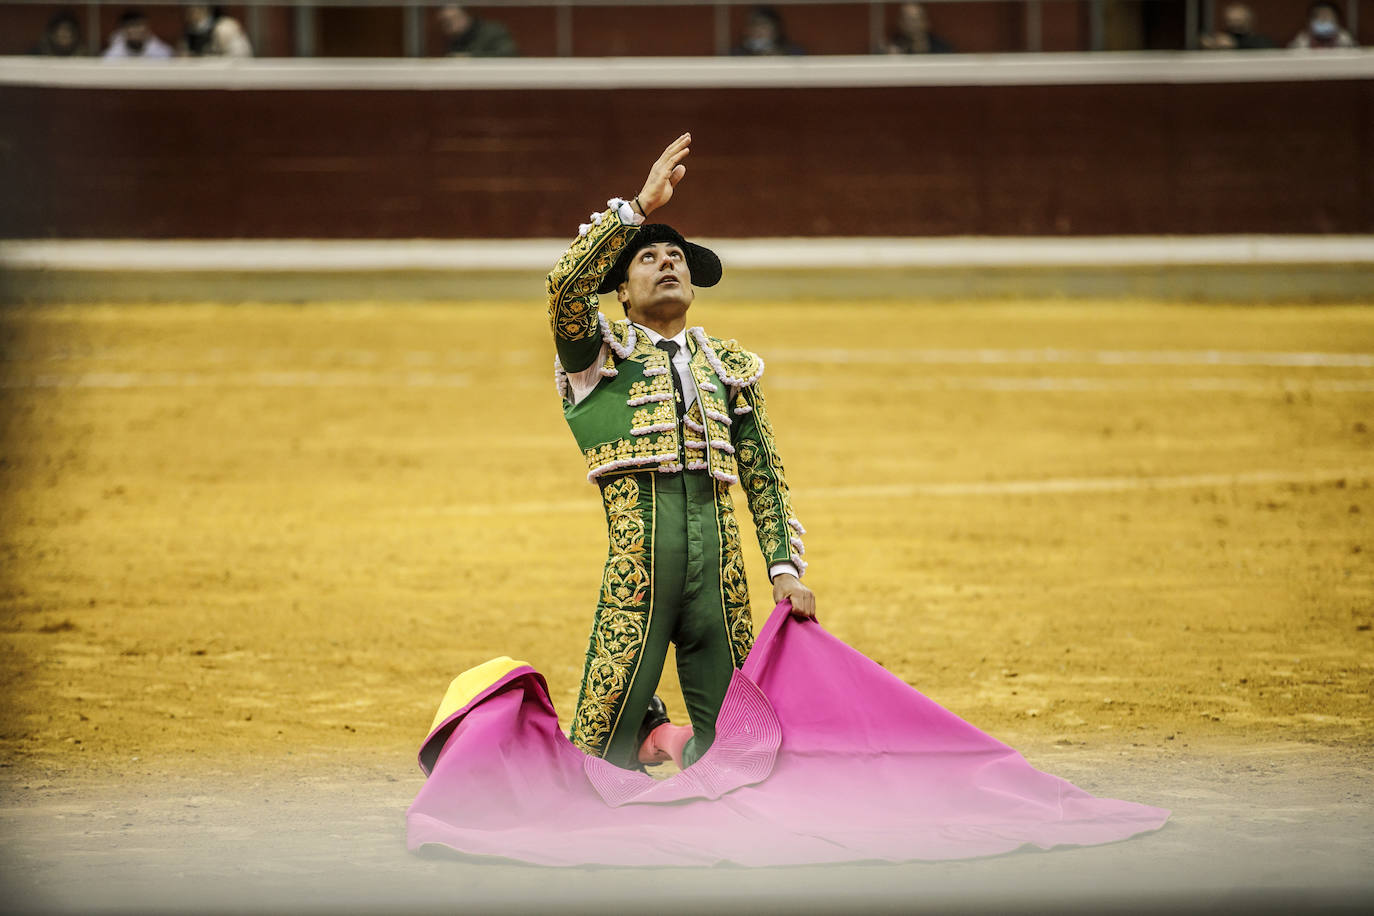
(734, 589)
(643, 346)
(572, 283)
(765, 487)
(641, 447)
(622, 619)
(738, 361)
(659, 384)
(654, 414)
(574, 319)
(626, 577)
(709, 429)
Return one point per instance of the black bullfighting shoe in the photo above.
(654, 716)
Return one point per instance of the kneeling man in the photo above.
(668, 419)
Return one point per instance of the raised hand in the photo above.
(665, 174)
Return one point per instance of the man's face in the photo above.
(1238, 19)
(64, 35)
(911, 19)
(762, 31)
(1325, 17)
(136, 33)
(658, 279)
(454, 20)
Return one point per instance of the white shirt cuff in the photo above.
(628, 216)
(778, 569)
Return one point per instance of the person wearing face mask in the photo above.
(1238, 33)
(133, 38)
(1324, 29)
(765, 36)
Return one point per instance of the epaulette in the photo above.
(736, 366)
(620, 336)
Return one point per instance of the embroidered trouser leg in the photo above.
(674, 574)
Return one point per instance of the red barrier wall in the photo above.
(1011, 160)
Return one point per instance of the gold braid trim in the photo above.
(638, 451)
(622, 620)
(572, 283)
(738, 361)
(734, 589)
(761, 476)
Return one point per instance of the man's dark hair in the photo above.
(772, 15)
(130, 16)
(702, 262)
(64, 17)
(1326, 4)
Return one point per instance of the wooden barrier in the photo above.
(820, 152)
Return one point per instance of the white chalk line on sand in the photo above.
(1055, 356)
(1033, 487)
(117, 381)
(1090, 484)
(783, 356)
(265, 379)
(1058, 384)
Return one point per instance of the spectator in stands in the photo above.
(466, 35)
(913, 35)
(210, 32)
(764, 35)
(1238, 32)
(61, 38)
(1325, 28)
(134, 38)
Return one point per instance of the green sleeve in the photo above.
(572, 284)
(765, 487)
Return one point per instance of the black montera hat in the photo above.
(702, 262)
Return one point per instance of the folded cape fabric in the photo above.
(821, 755)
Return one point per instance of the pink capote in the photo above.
(820, 756)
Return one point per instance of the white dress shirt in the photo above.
(153, 49)
(682, 361)
(583, 383)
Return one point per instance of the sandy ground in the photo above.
(245, 548)
(1267, 828)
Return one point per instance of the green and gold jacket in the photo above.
(628, 423)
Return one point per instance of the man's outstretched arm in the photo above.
(572, 283)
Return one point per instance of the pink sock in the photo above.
(667, 738)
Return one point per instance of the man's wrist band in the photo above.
(642, 211)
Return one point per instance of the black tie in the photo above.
(671, 347)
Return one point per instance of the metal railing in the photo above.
(1198, 17)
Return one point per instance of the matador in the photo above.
(668, 419)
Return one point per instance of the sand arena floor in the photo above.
(250, 545)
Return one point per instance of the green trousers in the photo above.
(675, 574)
